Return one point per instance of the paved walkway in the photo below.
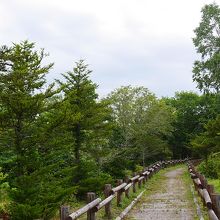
(169, 202)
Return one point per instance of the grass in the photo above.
(216, 183)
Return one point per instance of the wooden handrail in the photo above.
(116, 189)
(84, 209)
(134, 178)
(104, 202)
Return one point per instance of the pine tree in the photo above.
(87, 119)
(23, 103)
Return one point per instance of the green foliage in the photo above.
(94, 184)
(91, 177)
(207, 43)
(118, 164)
(24, 100)
(193, 111)
(4, 189)
(206, 74)
(86, 118)
(211, 167)
(215, 183)
(86, 125)
(141, 124)
(208, 141)
(138, 168)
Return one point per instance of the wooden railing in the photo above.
(95, 204)
(206, 191)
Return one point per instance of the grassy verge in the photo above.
(216, 183)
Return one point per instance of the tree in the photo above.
(208, 142)
(142, 122)
(193, 111)
(23, 100)
(187, 122)
(207, 43)
(87, 120)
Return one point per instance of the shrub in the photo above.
(4, 199)
(211, 167)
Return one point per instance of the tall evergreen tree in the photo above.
(23, 101)
(87, 118)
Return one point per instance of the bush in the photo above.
(90, 178)
(4, 188)
(94, 184)
(211, 167)
(138, 168)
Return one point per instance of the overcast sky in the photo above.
(125, 42)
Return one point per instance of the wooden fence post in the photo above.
(134, 184)
(216, 203)
(91, 213)
(127, 191)
(139, 183)
(107, 193)
(210, 189)
(119, 193)
(64, 212)
(144, 180)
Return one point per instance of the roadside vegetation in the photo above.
(211, 169)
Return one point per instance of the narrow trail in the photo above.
(170, 200)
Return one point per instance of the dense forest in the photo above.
(60, 140)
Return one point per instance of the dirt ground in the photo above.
(170, 201)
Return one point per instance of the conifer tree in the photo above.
(23, 101)
(87, 118)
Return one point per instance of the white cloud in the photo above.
(140, 42)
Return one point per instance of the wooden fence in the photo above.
(206, 191)
(130, 184)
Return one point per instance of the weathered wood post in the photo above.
(91, 213)
(216, 203)
(107, 193)
(204, 181)
(64, 212)
(210, 189)
(139, 183)
(144, 179)
(127, 191)
(134, 184)
(119, 193)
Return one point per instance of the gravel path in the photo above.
(168, 202)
